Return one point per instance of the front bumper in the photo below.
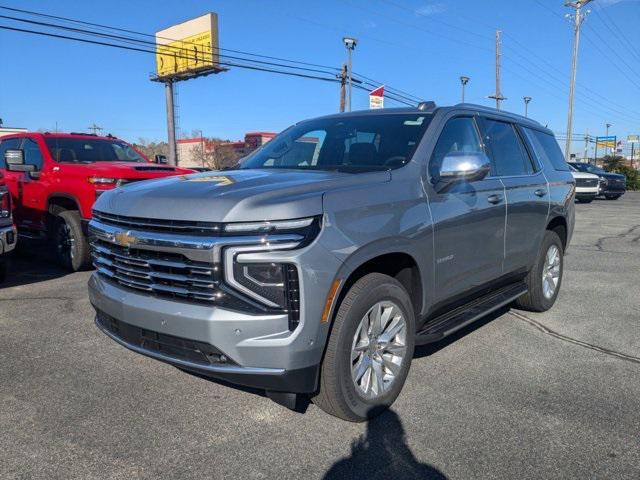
(8, 239)
(262, 351)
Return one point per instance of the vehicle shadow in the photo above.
(382, 452)
(31, 267)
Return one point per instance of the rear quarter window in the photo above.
(546, 148)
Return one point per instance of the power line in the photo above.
(397, 94)
(617, 32)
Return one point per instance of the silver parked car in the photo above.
(318, 265)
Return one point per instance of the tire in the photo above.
(585, 200)
(612, 197)
(71, 246)
(338, 394)
(536, 300)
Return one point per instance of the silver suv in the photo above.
(318, 264)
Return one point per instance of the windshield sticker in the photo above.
(221, 180)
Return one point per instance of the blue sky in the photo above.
(418, 46)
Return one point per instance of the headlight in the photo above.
(103, 180)
(268, 226)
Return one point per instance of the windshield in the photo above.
(585, 167)
(358, 143)
(89, 150)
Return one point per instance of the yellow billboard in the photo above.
(188, 48)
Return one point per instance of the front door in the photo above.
(468, 218)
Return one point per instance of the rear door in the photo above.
(526, 190)
(468, 218)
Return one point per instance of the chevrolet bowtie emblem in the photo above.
(124, 239)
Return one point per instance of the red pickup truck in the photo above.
(55, 178)
(7, 230)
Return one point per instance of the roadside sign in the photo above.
(376, 98)
(187, 48)
(606, 142)
(633, 138)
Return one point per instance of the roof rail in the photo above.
(82, 133)
(430, 105)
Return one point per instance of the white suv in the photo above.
(587, 185)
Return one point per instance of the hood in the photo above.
(232, 196)
(612, 176)
(584, 175)
(135, 169)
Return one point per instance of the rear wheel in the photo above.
(72, 248)
(369, 350)
(544, 279)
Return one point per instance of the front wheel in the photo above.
(72, 248)
(585, 200)
(544, 279)
(612, 197)
(369, 350)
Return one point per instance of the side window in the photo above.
(5, 145)
(458, 135)
(510, 157)
(546, 149)
(32, 154)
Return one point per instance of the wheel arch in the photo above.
(559, 225)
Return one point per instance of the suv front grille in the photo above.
(154, 225)
(586, 182)
(161, 273)
(169, 345)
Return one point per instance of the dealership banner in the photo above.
(376, 98)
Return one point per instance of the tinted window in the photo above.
(588, 168)
(458, 135)
(547, 149)
(352, 143)
(89, 150)
(10, 144)
(509, 155)
(32, 154)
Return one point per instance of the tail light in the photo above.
(5, 204)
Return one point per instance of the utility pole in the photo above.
(607, 126)
(464, 80)
(498, 95)
(526, 105)
(171, 126)
(350, 43)
(586, 144)
(343, 85)
(578, 18)
(94, 128)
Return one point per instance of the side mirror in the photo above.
(160, 159)
(15, 161)
(463, 166)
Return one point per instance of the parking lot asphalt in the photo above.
(517, 395)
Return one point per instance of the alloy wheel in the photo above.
(378, 349)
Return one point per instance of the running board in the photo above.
(449, 322)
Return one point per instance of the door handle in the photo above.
(494, 199)
(541, 192)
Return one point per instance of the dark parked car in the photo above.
(337, 247)
(612, 185)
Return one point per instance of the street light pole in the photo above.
(526, 105)
(464, 80)
(350, 43)
(608, 125)
(578, 18)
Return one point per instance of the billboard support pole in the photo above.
(172, 157)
